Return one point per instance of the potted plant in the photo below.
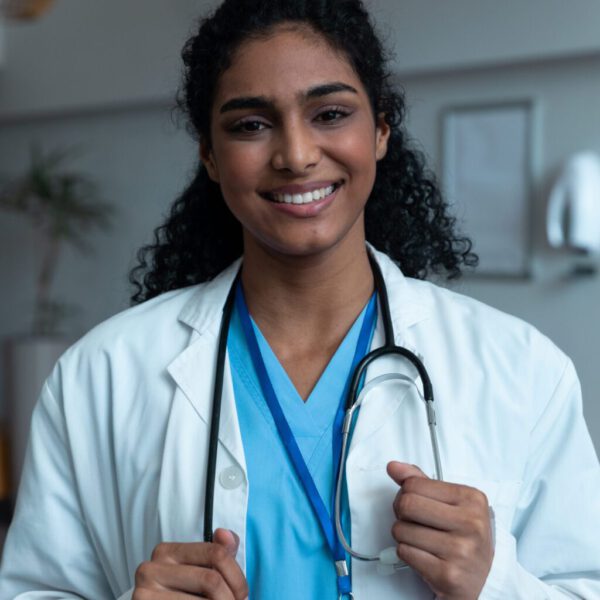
(62, 206)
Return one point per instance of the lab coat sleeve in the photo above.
(553, 548)
(49, 553)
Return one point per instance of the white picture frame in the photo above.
(487, 178)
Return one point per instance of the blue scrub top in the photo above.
(287, 555)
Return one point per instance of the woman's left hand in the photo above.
(443, 532)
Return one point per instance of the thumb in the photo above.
(227, 538)
(400, 471)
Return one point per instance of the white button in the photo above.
(231, 477)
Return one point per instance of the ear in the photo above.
(208, 160)
(382, 135)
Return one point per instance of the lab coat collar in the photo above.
(197, 363)
(407, 305)
(205, 306)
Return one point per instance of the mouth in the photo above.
(308, 197)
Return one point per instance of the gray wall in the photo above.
(431, 35)
(102, 75)
(566, 93)
(86, 53)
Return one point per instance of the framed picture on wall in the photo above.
(487, 177)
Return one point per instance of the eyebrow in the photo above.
(262, 102)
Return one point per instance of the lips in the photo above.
(305, 194)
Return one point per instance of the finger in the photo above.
(400, 471)
(427, 565)
(184, 579)
(214, 556)
(409, 506)
(436, 542)
(450, 493)
(162, 595)
(228, 539)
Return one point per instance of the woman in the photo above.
(303, 162)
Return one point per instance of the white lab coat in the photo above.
(117, 456)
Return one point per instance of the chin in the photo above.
(309, 242)
(304, 248)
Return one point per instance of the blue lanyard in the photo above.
(289, 441)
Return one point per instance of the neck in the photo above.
(309, 295)
(304, 306)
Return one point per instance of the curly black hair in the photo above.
(405, 216)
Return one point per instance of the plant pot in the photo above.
(28, 360)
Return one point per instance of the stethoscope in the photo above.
(388, 562)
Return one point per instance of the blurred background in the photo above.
(97, 80)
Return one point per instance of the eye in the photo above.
(248, 126)
(333, 114)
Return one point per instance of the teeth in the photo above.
(305, 198)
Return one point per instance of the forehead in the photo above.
(282, 64)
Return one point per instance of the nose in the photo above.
(296, 149)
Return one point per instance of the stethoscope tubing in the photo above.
(353, 401)
(213, 440)
(346, 428)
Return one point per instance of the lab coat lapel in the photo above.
(184, 468)
(190, 370)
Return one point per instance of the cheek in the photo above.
(240, 162)
(240, 169)
(240, 166)
(357, 152)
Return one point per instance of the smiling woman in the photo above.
(405, 215)
(188, 447)
(289, 117)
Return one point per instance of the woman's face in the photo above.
(294, 144)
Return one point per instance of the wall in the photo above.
(91, 54)
(566, 95)
(99, 77)
(431, 35)
(2, 43)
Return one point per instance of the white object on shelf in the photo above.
(573, 217)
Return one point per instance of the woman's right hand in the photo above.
(196, 570)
